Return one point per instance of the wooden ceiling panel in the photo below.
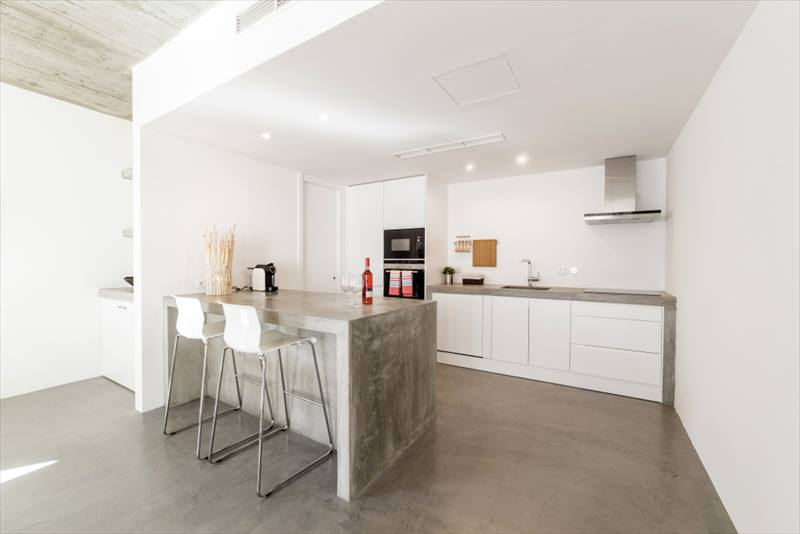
(81, 51)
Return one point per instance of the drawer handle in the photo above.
(121, 307)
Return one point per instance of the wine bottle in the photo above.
(366, 290)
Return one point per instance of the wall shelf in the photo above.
(463, 243)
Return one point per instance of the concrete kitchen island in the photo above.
(378, 366)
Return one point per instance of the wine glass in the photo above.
(358, 284)
(345, 282)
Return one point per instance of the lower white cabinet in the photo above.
(116, 341)
(510, 329)
(610, 347)
(459, 323)
(640, 367)
(643, 336)
(549, 331)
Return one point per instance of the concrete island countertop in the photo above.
(287, 303)
(557, 293)
(118, 293)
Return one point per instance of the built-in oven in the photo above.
(404, 279)
(406, 244)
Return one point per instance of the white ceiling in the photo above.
(597, 79)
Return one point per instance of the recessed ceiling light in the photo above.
(469, 166)
(522, 159)
(266, 135)
(323, 117)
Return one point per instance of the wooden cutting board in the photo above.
(484, 252)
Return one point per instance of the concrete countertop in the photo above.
(556, 293)
(288, 302)
(117, 293)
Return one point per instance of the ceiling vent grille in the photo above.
(258, 11)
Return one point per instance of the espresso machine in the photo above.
(263, 278)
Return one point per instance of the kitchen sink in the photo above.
(539, 288)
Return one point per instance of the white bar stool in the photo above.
(243, 333)
(192, 324)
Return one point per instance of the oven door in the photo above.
(395, 288)
(407, 244)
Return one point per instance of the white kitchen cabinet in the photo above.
(643, 336)
(510, 329)
(641, 367)
(364, 229)
(611, 310)
(549, 331)
(459, 323)
(116, 341)
(609, 347)
(404, 203)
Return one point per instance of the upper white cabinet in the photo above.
(510, 329)
(549, 333)
(404, 203)
(459, 323)
(364, 228)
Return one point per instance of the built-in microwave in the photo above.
(405, 244)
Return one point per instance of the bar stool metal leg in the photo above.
(248, 441)
(168, 404)
(202, 400)
(264, 394)
(169, 387)
(322, 397)
(283, 388)
(317, 460)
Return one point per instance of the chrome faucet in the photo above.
(531, 277)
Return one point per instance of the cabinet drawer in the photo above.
(632, 366)
(643, 336)
(618, 311)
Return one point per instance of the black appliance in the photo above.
(405, 244)
(417, 269)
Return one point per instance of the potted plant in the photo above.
(448, 273)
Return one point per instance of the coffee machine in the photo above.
(263, 278)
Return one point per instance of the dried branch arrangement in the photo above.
(219, 261)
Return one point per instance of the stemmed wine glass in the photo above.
(358, 284)
(345, 282)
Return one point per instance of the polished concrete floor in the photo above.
(506, 455)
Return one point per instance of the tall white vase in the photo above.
(219, 261)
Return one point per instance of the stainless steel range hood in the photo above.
(620, 195)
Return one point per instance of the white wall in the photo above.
(63, 207)
(733, 236)
(540, 216)
(185, 189)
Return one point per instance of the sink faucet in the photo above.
(531, 277)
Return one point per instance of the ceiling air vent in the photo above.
(257, 12)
